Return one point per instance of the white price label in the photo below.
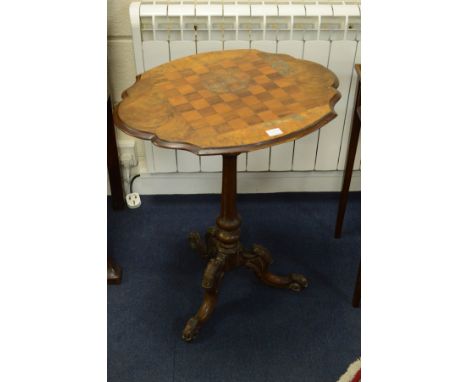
(274, 132)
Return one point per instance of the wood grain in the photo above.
(224, 102)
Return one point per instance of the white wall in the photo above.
(121, 64)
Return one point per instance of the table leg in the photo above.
(113, 165)
(259, 259)
(348, 172)
(223, 249)
(114, 272)
(357, 289)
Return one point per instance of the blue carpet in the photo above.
(257, 333)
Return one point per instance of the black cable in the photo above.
(131, 183)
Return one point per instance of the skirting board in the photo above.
(247, 182)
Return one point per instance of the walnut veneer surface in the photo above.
(225, 102)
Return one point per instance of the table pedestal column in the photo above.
(224, 252)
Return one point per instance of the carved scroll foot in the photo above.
(259, 259)
(191, 329)
(212, 276)
(206, 249)
(194, 324)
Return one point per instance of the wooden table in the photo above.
(227, 103)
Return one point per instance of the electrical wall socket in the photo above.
(133, 200)
(127, 153)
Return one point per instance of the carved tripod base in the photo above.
(224, 252)
(258, 259)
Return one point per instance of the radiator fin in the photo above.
(327, 32)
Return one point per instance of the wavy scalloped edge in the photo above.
(228, 149)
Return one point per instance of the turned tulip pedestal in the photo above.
(223, 250)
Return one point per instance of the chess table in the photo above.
(227, 103)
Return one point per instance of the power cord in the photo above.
(131, 182)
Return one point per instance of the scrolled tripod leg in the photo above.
(259, 260)
(212, 276)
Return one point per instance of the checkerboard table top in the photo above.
(228, 102)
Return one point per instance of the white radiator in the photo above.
(324, 32)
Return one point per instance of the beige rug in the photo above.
(353, 374)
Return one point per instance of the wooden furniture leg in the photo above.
(348, 172)
(224, 252)
(113, 165)
(114, 272)
(259, 259)
(357, 289)
(353, 143)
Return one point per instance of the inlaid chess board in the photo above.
(228, 102)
